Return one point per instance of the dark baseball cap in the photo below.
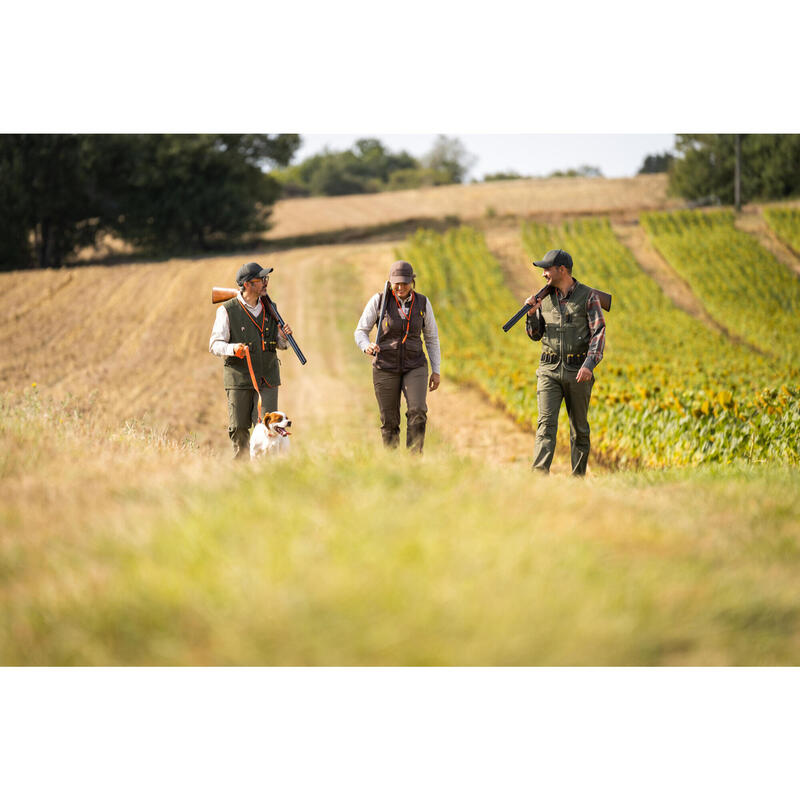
(555, 258)
(401, 272)
(251, 270)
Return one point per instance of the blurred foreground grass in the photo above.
(128, 549)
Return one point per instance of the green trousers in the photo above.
(413, 385)
(243, 414)
(553, 386)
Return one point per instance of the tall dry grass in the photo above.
(141, 552)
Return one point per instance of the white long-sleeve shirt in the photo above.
(220, 342)
(430, 331)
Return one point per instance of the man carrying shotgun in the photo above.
(243, 322)
(570, 324)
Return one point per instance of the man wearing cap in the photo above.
(244, 322)
(570, 324)
(399, 364)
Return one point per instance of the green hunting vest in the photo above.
(566, 326)
(265, 361)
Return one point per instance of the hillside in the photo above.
(550, 198)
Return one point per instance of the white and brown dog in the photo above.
(271, 436)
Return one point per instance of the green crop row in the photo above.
(785, 222)
(669, 390)
(742, 285)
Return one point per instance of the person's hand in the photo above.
(584, 374)
(434, 381)
(240, 350)
(286, 330)
(529, 301)
(372, 349)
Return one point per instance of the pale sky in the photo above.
(617, 155)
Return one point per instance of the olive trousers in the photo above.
(243, 414)
(552, 387)
(413, 385)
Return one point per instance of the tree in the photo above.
(417, 177)
(507, 175)
(57, 192)
(450, 156)
(657, 162)
(46, 203)
(583, 171)
(366, 167)
(705, 165)
(186, 191)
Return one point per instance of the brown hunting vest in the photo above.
(395, 354)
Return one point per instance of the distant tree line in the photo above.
(369, 166)
(702, 169)
(160, 192)
(657, 162)
(583, 171)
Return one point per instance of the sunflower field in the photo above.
(669, 390)
(742, 285)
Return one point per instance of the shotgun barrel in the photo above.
(273, 309)
(220, 293)
(603, 297)
(382, 311)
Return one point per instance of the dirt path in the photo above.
(339, 385)
(673, 286)
(752, 221)
(522, 277)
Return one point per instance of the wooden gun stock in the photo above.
(219, 294)
(603, 297)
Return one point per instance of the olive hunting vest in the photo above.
(397, 355)
(246, 330)
(566, 327)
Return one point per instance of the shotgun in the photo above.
(382, 311)
(605, 304)
(219, 294)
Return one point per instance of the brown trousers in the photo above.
(413, 385)
(243, 414)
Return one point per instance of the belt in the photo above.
(571, 360)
